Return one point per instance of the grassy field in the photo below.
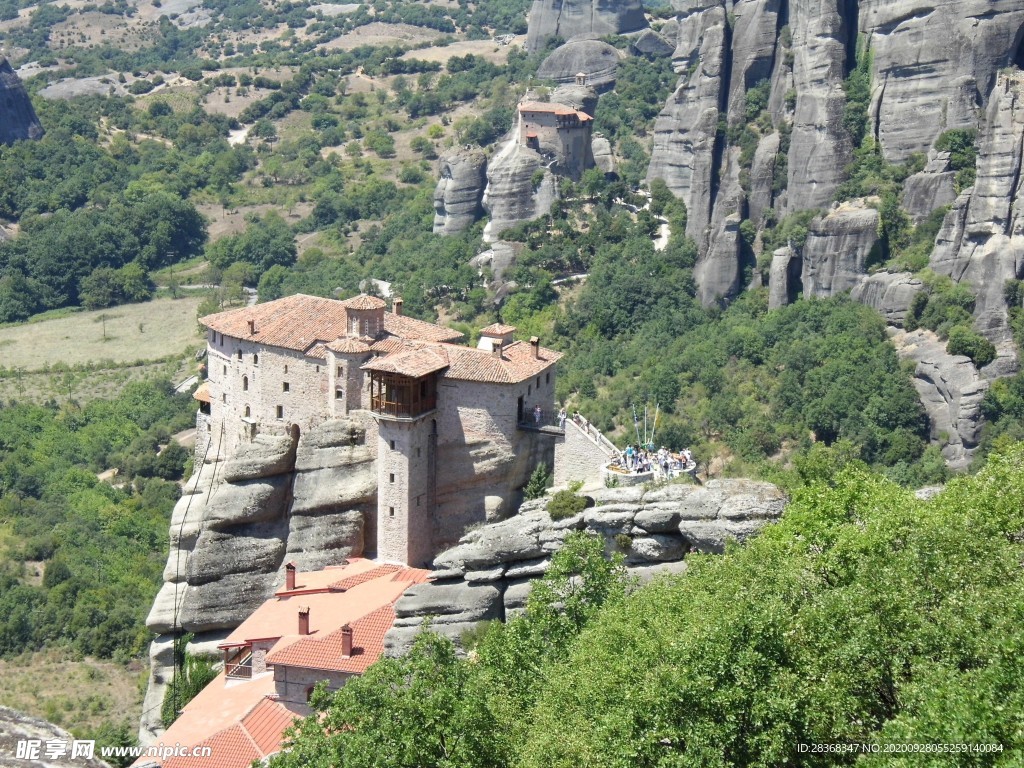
(131, 343)
(150, 331)
(77, 694)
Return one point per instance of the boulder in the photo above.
(929, 189)
(459, 191)
(890, 293)
(252, 501)
(784, 277)
(657, 547)
(837, 249)
(316, 541)
(598, 60)
(225, 603)
(266, 456)
(604, 159)
(576, 18)
(581, 97)
(335, 443)
(650, 43)
(951, 389)
(447, 604)
(18, 119)
(17, 727)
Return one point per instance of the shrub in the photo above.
(566, 504)
(964, 341)
(538, 483)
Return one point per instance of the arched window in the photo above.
(245, 383)
(255, 359)
(247, 412)
(239, 354)
(309, 693)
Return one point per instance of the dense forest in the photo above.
(102, 545)
(827, 628)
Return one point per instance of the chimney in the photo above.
(496, 348)
(289, 576)
(303, 621)
(346, 641)
(252, 327)
(397, 305)
(535, 343)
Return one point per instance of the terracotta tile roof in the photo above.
(317, 351)
(411, 328)
(294, 322)
(390, 344)
(413, 363)
(265, 724)
(550, 107)
(202, 393)
(497, 329)
(363, 301)
(299, 322)
(230, 748)
(349, 346)
(374, 573)
(516, 363)
(326, 652)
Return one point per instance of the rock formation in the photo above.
(15, 727)
(459, 191)
(515, 192)
(982, 237)
(488, 575)
(951, 389)
(599, 61)
(835, 255)
(569, 19)
(934, 66)
(18, 120)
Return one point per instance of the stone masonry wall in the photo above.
(259, 385)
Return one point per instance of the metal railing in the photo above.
(534, 419)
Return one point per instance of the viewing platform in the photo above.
(547, 422)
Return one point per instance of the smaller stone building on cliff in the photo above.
(560, 130)
(456, 429)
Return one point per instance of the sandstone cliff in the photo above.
(17, 118)
(570, 19)
(459, 191)
(488, 575)
(934, 66)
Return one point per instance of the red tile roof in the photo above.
(549, 107)
(349, 346)
(411, 328)
(326, 652)
(413, 363)
(516, 363)
(265, 724)
(497, 329)
(202, 393)
(364, 301)
(231, 748)
(299, 322)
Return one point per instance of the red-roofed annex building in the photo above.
(442, 415)
(325, 625)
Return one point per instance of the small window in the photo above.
(339, 374)
(417, 453)
(224, 397)
(286, 369)
(529, 389)
(391, 511)
(245, 383)
(338, 394)
(547, 377)
(225, 370)
(392, 477)
(280, 411)
(309, 693)
(239, 354)
(247, 412)
(392, 445)
(318, 369)
(255, 359)
(418, 500)
(285, 386)
(538, 382)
